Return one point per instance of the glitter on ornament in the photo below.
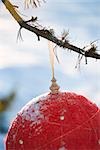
(62, 117)
(20, 142)
(99, 141)
(62, 148)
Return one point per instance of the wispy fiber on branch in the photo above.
(47, 34)
(33, 3)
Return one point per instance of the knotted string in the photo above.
(54, 87)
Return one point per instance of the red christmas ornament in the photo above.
(56, 121)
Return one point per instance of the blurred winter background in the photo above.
(25, 70)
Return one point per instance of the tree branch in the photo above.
(46, 33)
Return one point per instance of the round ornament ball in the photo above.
(56, 121)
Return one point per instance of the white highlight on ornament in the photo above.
(62, 117)
(62, 148)
(31, 111)
(21, 142)
(99, 141)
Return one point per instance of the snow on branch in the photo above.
(49, 34)
(33, 3)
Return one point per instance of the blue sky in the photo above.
(81, 18)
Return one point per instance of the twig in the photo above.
(47, 34)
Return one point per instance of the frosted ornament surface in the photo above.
(47, 121)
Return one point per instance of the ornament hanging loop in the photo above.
(54, 86)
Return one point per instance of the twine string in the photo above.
(54, 87)
(51, 54)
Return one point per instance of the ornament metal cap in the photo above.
(54, 86)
